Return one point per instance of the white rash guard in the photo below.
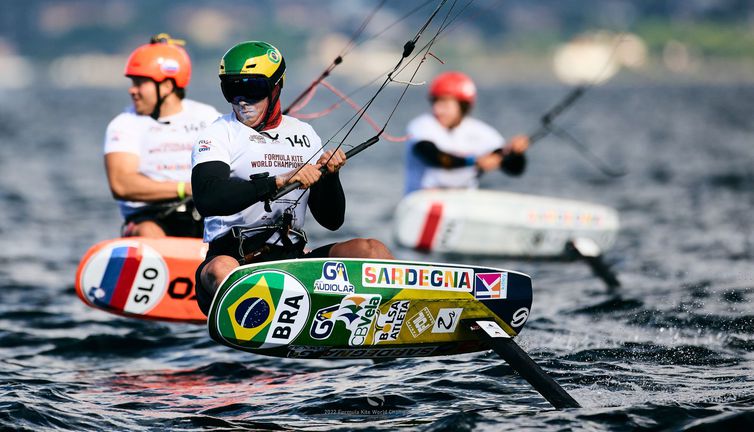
(163, 147)
(275, 151)
(471, 137)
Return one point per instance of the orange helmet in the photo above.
(455, 84)
(161, 59)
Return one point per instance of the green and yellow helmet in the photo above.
(251, 70)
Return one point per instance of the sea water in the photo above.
(673, 348)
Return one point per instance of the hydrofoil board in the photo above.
(352, 308)
(148, 278)
(496, 223)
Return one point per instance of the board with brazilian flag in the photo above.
(354, 308)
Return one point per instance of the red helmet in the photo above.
(455, 84)
(161, 59)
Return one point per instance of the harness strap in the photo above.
(171, 215)
(162, 210)
(253, 242)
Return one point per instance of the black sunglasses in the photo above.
(245, 89)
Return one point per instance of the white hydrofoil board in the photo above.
(500, 223)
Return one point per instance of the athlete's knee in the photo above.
(377, 249)
(362, 248)
(209, 275)
(216, 270)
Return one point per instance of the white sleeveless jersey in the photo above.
(471, 137)
(247, 152)
(164, 147)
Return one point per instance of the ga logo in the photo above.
(334, 279)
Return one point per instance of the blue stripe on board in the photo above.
(112, 273)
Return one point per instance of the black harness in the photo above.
(181, 215)
(253, 243)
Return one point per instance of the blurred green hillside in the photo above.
(694, 39)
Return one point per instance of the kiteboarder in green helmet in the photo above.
(252, 72)
(244, 157)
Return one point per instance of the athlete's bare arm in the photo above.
(128, 184)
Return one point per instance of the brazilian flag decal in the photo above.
(249, 312)
(263, 310)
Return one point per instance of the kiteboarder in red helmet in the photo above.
(448, 148)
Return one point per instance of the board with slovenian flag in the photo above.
(147, 278)
(353, 308)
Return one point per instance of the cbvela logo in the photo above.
(357, 312)
(334, 279)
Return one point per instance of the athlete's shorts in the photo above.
(181, 221)
(228, 245)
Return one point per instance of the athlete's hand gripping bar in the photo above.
(349, 154)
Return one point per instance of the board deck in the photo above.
(149, 278)
(351, 308)
(496, 223)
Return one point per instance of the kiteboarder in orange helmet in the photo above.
(148, 147)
